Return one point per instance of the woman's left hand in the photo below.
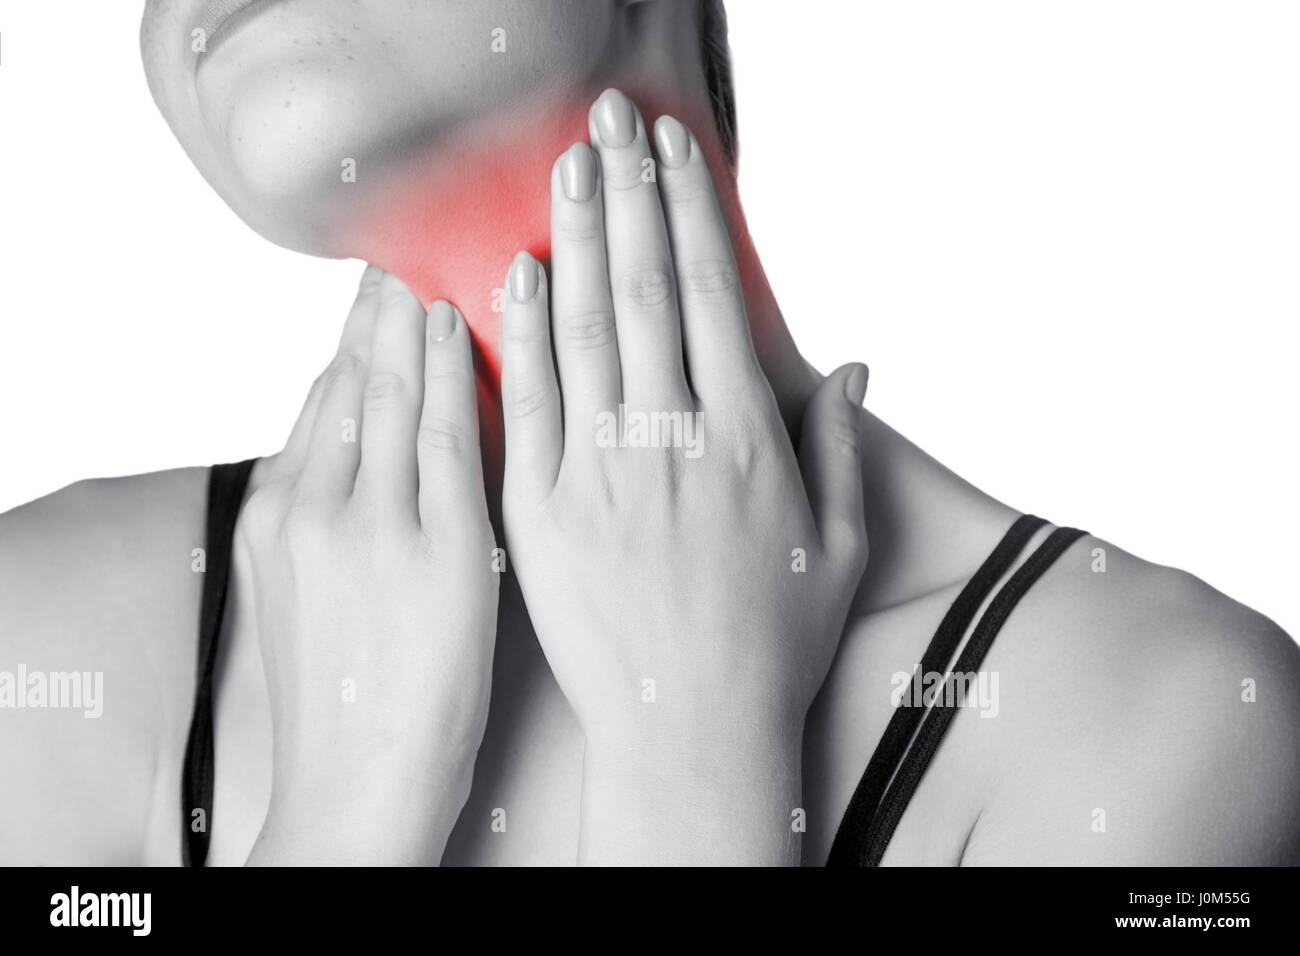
(687, 574)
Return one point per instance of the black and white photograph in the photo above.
(650, 433)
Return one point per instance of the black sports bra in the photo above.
(893, 773)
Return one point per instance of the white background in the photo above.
(1064, 235)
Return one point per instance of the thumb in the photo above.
(830, 457)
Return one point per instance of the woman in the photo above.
(653, 669)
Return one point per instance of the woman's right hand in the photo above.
(376, 595)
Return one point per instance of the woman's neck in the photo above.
(449, 223)
(450, 227)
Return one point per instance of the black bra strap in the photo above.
(938, 719)
(852, 833)
(226, 487)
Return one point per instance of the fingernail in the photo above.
(442, 321)
(672, 141)
(615, 119)
(579, 172)
(855, 387)
(523, 278)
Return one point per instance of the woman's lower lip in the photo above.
(221, 19)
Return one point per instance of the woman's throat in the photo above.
(450, 220)
(449, 226)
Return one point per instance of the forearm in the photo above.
(727, 800)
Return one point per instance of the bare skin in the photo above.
(1126, 697)
(1121, 691)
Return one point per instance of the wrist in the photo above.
(721, 794)
(397, 816)
(709, 727)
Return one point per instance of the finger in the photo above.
(355, 338)
(830, 459)
(388, 475)
(288, 464)
(720, 357)
(450, 467)
(640, 261)
(586, 344)
(531, 397)
(330, 468)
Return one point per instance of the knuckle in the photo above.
(442, 436)
(750, 442)
(371, 280)
(847, 534)
(524, 330)
(625, 172)
(843, 437)
(646, 287)
(264, 509)
(528, 401)
(579, 230)
(589, 330)
(685, 191)
(447, 371)
(385, 390)
(430, 543)
(304, 528)
(710, 277)
(393, 292)
(342, 367)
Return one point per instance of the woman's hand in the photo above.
(375, 590)
(689, 595)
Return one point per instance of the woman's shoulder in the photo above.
(104, 549)
(1152, 718)
(99, 596)
(1115, 615)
